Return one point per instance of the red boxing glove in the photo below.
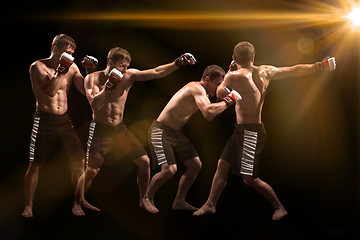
(115, 77)
(231, 97)
(328, 64)
(65, 62)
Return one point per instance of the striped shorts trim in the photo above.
(156, 141)
(91, 135)
(34, 133)
(248, 154)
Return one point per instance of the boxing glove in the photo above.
(233, 66)
(90, 63)
(65, 62)
(328, 64)
(184, 60)
(231, 97)
(115, 77)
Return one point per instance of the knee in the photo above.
(143, 163)
(169, 170)
(197, 166)
(91, 173)
(34, 168)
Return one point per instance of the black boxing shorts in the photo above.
(164, 141)
(47, 130)
(112, 143)
(243, 149)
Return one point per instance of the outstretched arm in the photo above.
(299, 69)
(164, 70)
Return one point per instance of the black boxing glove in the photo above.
(185, 59)
(233, 66)
(90, 63)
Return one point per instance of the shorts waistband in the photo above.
(165, 127)
(121, 125)
(247, 126)
(51, 116)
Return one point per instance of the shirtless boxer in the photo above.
(242, 152)
(51, 79)
(165, 135)
(107, 91)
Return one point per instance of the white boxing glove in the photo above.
(231, 97)
(328, 64)
(65, 62)
(115, 77)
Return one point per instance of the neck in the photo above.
(107, 70)
(247, 65)
(203, 84)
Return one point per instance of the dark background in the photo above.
(311, 157)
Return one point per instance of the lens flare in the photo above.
(354, 17)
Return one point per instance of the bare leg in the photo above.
(83, 186)
(217, 187)
(265, 190)
(157, 181)
(193, 166)
(30, 185)
(143, 177)
(77, 171)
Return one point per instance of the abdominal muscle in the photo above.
(55, 105)
(111, 114)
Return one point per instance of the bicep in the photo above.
(202, 101)
(144, 75)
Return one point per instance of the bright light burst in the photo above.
(354, 16)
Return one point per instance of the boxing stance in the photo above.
(242, 152)
(165, 134)
(107, 91)
(51, 79)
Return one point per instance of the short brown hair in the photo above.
(213, 71)
(244, 52)
(63, 40)
(118, 54)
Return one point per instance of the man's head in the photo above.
(119, 58)
(212, 77)
(63, 43)
(244, 53)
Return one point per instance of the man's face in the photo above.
(213, 85)
(122, 66)
(67, 49)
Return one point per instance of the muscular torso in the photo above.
(181, 106)
(111, 113)
(57, 104)
(252, 85)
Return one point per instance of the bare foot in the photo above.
(182, 205)
(27, 213)
(77, 211)
(206, 208)
(87, 205)
(279, 214)
(149, 206)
